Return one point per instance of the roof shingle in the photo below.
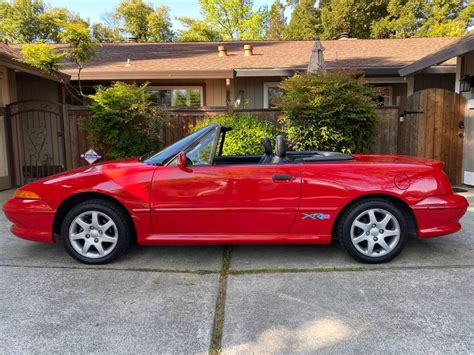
(200, 59)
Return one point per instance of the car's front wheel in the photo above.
(96, 232)
(373, 231)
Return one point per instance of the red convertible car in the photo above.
(190, 193)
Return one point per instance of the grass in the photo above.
(219, 313)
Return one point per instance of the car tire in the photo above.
(373, 230)
(96, 232)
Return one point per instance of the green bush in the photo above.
(123, 121)
(328, 111)
(246, 135)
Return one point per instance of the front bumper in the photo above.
(32, 219)
(439, 215)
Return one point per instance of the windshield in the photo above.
(163, 156)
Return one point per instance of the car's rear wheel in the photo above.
(96, 232)
(373, 231)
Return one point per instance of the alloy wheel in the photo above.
(375, 232)
(93, 234)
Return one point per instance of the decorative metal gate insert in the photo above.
(37, 144)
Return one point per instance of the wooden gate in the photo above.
(37, 131)
(433, 127)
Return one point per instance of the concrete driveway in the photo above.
(245, 299)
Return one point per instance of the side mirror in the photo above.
(182, 160)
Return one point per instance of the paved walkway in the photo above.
(270, 299)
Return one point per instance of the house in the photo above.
(462, 51)
(207, 77)
(247, 74)
(30, 120)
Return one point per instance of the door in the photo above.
(37, 131)
(239, 199)
(433, 127)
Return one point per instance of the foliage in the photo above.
(103, 33)
(420, 18)
(81, 46)
(26, 21)
(196, 31)
(159, 23)
(123, 121)
(143, 22)
(234, 19)
(332, 111)
(305, 22)
(42, 55)
(246, 135)
(351, 17)
(277, 21)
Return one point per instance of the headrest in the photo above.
(267, 145)
(280, 148)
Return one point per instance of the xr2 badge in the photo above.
(315, 216)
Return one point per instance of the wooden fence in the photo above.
(183, 120)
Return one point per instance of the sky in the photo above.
(93, 9)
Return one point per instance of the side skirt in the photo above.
(223, 239)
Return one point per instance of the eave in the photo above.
(8, 62)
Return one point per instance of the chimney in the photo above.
(132, 39)
(248, 50)
(222, 51)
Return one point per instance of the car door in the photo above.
(205, 199)
(225, 199)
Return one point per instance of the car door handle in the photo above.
(283, 178)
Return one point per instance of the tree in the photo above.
(159, 25)
(124, 121)
(81, 47)
(144, 22)
(234, 19)
(305, 22)
(420, 18)
(42, 55)
(103, 33)
(19, 20)
(26, 21)
(277, 21)
(351, 17)
(196, 31)
(134, 14)
(328, 111)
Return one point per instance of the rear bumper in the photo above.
(32, 219)
(439, 215)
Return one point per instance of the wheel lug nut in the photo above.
(381, 231)
(91, 227)
(87, 235)
(375, 239)
(100, 232)
(367, 233)
(96, 240)
(373, 225)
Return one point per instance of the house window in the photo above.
(189, 96)
(271, 94)
(383, 95)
